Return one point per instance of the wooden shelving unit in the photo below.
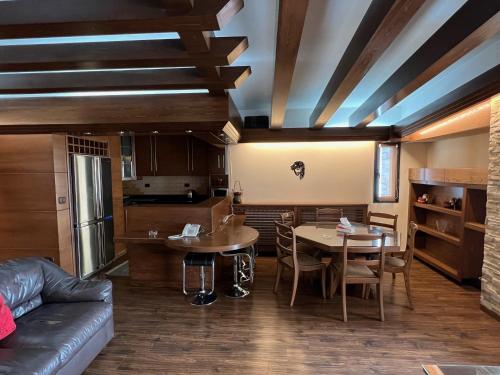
(451, 241)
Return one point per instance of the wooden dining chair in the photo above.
(329, 214)
(288, 218)
(400, 262)
(381, 219)
(288, 256)
(360, 264)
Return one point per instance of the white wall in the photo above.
(336, 172)
(461, 152)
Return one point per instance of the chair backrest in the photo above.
(363, 254)
(383, 220)
(288, 218)
(410, 244)
(286, 242)
(329, 214)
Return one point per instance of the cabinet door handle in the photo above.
(151, 153)
(187, 145)
(218, 161)
(156, 159)
(192, 156)
(223, 166)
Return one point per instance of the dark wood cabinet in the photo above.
(216, 160)
(171, 155)
(144, 155)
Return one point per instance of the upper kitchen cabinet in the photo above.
(216, 160)
(170, 155)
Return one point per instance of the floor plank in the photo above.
(158, 332)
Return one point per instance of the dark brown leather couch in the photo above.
(62, 322)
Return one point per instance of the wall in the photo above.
(490, 281)
(461, 152)
(336, 172)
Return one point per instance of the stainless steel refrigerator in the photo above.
(92, 212)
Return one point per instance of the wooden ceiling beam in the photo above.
(291, 17)
(470, 26)
(470, 93)
(373, 133)
(131, 54)
(129, 109)
(157, 79)
(382, 23)
(24, 19)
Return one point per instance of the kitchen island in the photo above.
(151, 263)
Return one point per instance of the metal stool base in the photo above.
(237, 292)
(203, 298)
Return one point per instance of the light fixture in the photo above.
(87, 133)
(155, 132)
(189, 131)
(459, 116)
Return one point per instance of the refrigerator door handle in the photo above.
(100, 238)
(98, 185)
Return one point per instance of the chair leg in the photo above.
(408, 288)
(344, 301)
(394, 276)
(278, 276)
(323, 282)
(334, 283)
(380, 294)
(295, 285)
(366, 291)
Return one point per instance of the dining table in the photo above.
(326, 237)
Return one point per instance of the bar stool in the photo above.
(242, 272)
(201, 260)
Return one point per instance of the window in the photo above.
(386, 172)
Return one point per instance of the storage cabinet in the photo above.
(450, 240)
(216, 160)
(170, 155)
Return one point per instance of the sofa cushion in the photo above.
(31, 361)
(64, 327)
(7, 325)
(21, 283)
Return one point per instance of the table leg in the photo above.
(203, 297)
(236, 290)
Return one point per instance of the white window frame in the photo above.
(393, 197)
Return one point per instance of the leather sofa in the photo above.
(62, 322)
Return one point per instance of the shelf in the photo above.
(427, 258)
(443, 236)
(478, 227)
(436, 208)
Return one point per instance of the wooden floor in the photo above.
(157, 332)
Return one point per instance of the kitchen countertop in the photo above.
(173, 201)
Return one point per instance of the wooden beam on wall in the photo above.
(470, 93)
(24, 19)
(291, 17)
(130, 54)
(156, 79)
(381, 24)
(373, 133)
(472, 24)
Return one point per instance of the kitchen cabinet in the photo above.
(216, 160)
(170, 155)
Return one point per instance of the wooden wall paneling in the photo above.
(28, 229)
(61, 195)
(124, 54)
(65, 239)
(92, 17)
(382, 23)
(114, 144)
(168, 79)
(27, 192)
(471, 25)
(60, 153)
(291, 18)
(27, 154)
(13, 253)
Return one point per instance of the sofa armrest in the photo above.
(60, 286)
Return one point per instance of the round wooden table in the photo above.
(232, 236)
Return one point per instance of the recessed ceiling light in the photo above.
(87, 133)
(122, 132)
(189, 131)
(155, 131)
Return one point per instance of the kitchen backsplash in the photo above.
(168, 185)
